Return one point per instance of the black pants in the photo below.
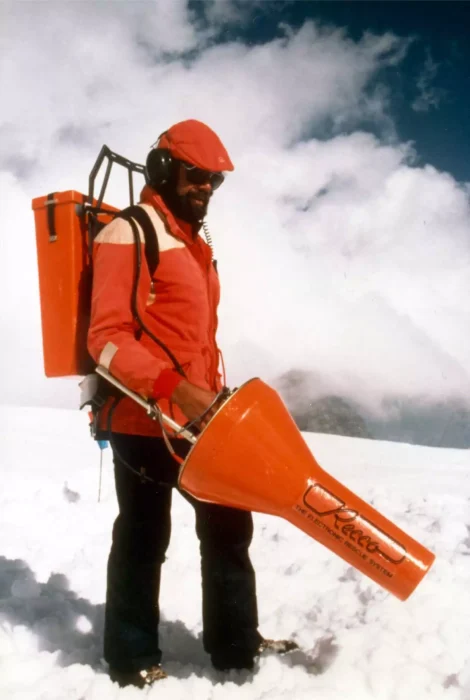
(141, 535)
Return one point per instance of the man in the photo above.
(178, 307)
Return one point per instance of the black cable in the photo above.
(135, 312)
(178, 367)
(112, 408)
(142, 477)
(134, 306)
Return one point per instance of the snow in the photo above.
(356, 640)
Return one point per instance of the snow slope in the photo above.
(357, 641)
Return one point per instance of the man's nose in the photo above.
(206, 187)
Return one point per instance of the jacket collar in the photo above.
(178, 227)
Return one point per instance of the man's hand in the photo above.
(194, 401)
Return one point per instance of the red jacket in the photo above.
(178, 305)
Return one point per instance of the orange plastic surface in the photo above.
(252, 456)
(64, 283)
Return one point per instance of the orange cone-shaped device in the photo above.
(252, 456)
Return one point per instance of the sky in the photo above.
(356, 640)
(429, 95)
(343, 235)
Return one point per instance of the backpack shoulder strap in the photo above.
(139, 214)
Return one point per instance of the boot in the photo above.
(278, 646)
(141, 679)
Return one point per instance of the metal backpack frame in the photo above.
(96, 391)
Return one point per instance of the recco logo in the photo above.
(353, 525)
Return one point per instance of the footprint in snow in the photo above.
(69, 495)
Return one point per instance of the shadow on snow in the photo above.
(52, 611)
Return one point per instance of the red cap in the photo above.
(196, 143)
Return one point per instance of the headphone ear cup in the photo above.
(158, 167)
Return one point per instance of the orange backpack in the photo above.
(66, 225)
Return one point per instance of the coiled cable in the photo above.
(208, 236)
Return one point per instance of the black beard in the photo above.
(184, 207)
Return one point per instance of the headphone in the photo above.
(158, 166)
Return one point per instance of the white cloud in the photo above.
(429, 95)
(337, 254)
(230, 12)
(364, 268)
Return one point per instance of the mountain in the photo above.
(334, 415)
(415, 420)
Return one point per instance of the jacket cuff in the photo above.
(165, 384)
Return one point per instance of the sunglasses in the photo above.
(198, 176)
